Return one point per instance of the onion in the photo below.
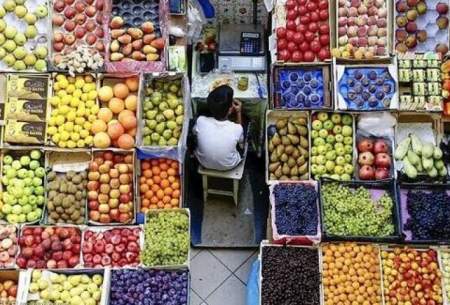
(382, 32)
(372, 40)
(343, 40)
(382, 12)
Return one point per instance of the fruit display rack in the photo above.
(419, 79)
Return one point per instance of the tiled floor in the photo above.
(218, 275)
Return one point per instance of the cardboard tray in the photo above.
(402, 191)
(293, 239)
(16, 276)
(339, 66)
(327, 83)
(271, 117)
(383, 185)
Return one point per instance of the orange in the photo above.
(156, 170)
(160, 204)
(164, 166)
(176, 194)
(153, 206)
(160, 194)
(154, 200)
(149, 182)
(144, 210)
(148, 173)
(154, 162)
(142, 180)
(168, 191)
(172, 179)
(164, 183)
(176, 186)
(121, 90)
(166, 199)
(148, 194)
(145, 202)
(145, 165)
(174, 165)
(167, 206)
(144, 188)
(155, 187)
(163, 175)
(171, 172)
(157, 179)
(174, 202)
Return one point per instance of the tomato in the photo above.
(324, 53)
(291, 14)
(311, 6)
(313, 27)
(323, 15)
(324, 28)
(314, 16)
(305, 20)
(281, 44)
(301, 28)
(315, 46)
(297, 56)
(284, 55)
(302, 10)
(324, 39)
(290, 35)
(298, 38)
(304, 46)
(291, 4)
(308, 56)
(281, 32)
(291, 46)
(309, 36)
(290, 25)
(323, 4)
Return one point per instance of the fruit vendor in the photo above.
(219, 139)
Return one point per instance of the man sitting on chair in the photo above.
(219, 140)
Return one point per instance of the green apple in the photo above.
(2, 25)
(314, 151)
(9, 46)
(330, 155)
(20, 11)
(323, 133)
(2, 53)
(348, 148)
(30, 19)
(338, 145)
(336, 118)
(335, 177)
(20, 39)
(10, 32)
(7, 159)
(40, 65)
(348, 169)
(316, 124)
(347, 131)
(85, 279)
(321, 169)
(314, 160)
(348, 140)
(30, 59)
(321, 149)
(347, 119)
(319, 141)
(337, 129)
(314, 169)
(9, 5)
(329, 146)
(321, 160)
(328, 125)
(340, 151)
(31, 31)
(338, 170)
(34, 164)
(340, 160)
(16, 164)
(19, 65)
(330, 139)
(322, 116)
(345, 177)
(2, 11)
(97, 279)
(41, 11)
(329, 165)
(348, 158)
(20, 53)
(22, 173)
(314, 134)
(35, 154)
(339, 138)
(41, 52)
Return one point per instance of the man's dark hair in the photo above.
(219, 101)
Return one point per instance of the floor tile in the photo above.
(233, 291)
(232, 258)
(207, 273)
(194, 298)
(244, 269)
(194, 252)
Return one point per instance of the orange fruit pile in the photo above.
(160, 186)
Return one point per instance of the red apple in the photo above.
(80, 19)
(366, 172)
(383, 160)
(80, 6)
(69, 25)
(366, 158)
(59, 6)
(91, 11)
(90, 26)
(380, 147)
(69, 12)
(91, 38)
(365, 145)
(69, 39)
(58, 20)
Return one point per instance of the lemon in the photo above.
(61, 128)
(81, 112)
(64, 109)
(87, 125)
(77, 93)
(91, 118)
(71, 144)
(92, 95)
(79, 83)
(52, 130)
(89, 140)
(84, 97)
(63, 83)
(79, 121)
(94, 109)
(90, 103)
(55, 138)
(74, 136)
(71, 116)
(70, 88)
(81, 143)
(56, 87)
(77, 128)
(68, 126)
(60, 77)
(54, 100)
(86, 88)
(55, 112)
(74, 102)
(65, 100)
(52, 121)
(71, 79)
(62, 144)
(84, 133)
(61, 93)
(59, 120)
(64, 136)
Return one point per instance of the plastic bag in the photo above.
(195, 23)
(379, 124)
(253, 284)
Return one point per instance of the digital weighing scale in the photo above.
(241, 48)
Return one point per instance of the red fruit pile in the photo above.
(110, 187)
(114, 247)
(374, 159)
(79, 20)
(411, 277)
(49, 247)
(306, 36)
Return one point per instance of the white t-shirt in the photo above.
(217, 143)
